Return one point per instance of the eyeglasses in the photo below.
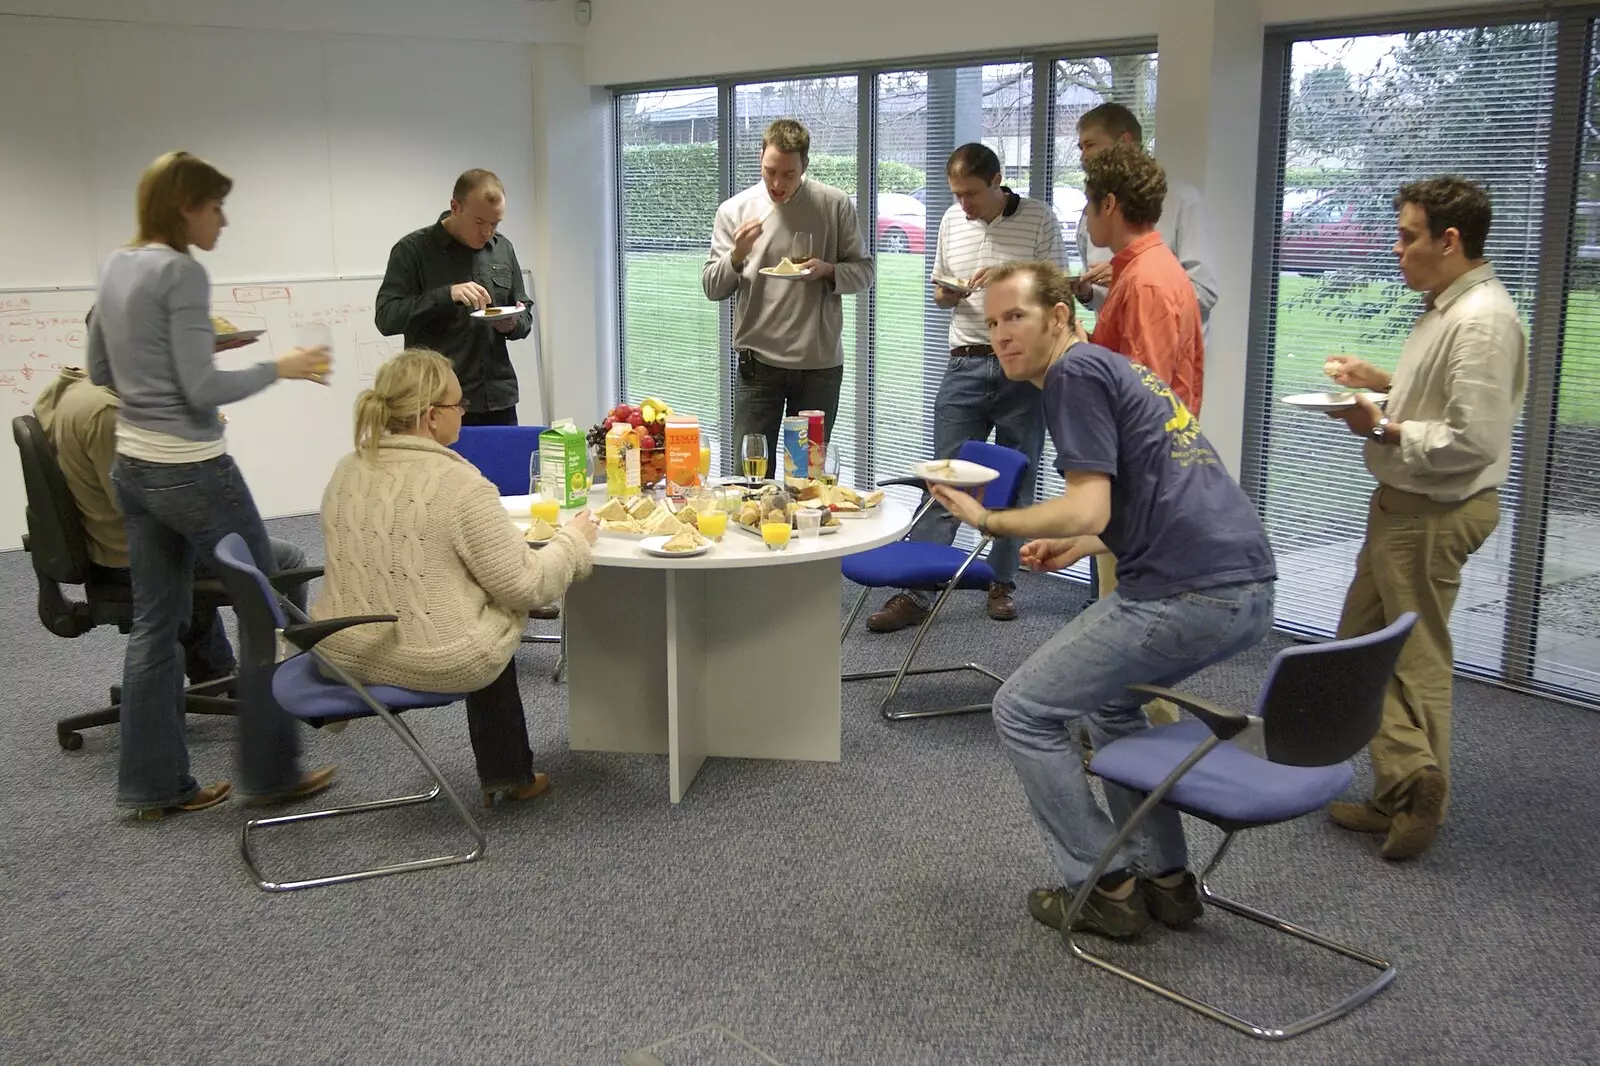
(463, 406)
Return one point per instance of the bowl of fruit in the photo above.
(649, 417)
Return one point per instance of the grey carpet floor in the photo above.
(865, 912)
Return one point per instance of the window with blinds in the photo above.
(923, 116)
(669, 166)
(1360, 116)
(827, 107)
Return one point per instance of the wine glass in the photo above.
(754, 453)
(830, 464)
(799, 248)
(705, 459)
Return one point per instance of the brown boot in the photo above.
(1002, 601)
(206, 796)
(311, 782)
(902, 610)
(1359, 817)
(1412, 831)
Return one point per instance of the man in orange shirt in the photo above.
(1151, 314)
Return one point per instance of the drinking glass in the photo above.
(754, 453)
(799, 248)
(705, 459)
(776, 535)
(712, 524)
(533, 472)
(809, 521)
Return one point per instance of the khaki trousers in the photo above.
(1159, 711)
(1411, 561)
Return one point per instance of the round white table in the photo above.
(733, 653)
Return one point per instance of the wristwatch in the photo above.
(1380, 431)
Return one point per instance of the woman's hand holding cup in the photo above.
(306, 364)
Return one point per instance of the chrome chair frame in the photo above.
(905, 669)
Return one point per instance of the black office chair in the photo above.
(59, 550)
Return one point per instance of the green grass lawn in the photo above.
(672, 344)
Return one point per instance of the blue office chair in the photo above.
(504, 455)
(929, 567)
(1319, 706)
(278, 663)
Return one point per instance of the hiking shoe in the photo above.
(1002, 601)
(1117, 919)
(1174, 906)
(1412, 830)
(1359, 817)
(902, 610)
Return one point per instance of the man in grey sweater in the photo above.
(786, 330)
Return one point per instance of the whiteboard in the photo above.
(285, 439)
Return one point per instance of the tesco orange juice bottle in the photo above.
(683, 453)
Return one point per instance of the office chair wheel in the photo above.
(69, 741)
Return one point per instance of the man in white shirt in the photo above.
(987, 227)
(1440, 448)
(1181, 225)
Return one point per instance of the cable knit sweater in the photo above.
(422, 535)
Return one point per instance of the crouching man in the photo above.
(1195, 580)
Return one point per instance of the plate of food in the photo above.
(681, 545)
(955, 285)
(842, 501)
(497, 312)
(753, 512)
(1332, 401)
(955, 472)
(539, 533)
(786, 268)
(638, 518)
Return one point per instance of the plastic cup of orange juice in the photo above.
(549, 510)
(776, 535)
(712, 524)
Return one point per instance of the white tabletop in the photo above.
(739, 549)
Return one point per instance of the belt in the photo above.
(971, 349)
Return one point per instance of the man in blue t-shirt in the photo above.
(1195, 581)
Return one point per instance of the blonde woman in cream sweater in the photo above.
(414, 530)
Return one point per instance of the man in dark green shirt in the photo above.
(440, 274)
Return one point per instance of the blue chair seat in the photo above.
(1229, 785)
(915, 564)
(302, 690)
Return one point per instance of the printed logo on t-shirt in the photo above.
(1183, 428)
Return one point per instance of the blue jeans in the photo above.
(1080, 676)
(176, 513)
(207, 655)
(974, 398)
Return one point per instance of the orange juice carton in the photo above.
(683, 453)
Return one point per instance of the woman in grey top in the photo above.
(151, 339)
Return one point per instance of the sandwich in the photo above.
(786, 266)
(540, 531)
(613, 511)
(684, 540)
(220, 325)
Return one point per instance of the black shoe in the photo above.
(1177, 907)
(1117, 919)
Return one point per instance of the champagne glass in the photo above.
(705, 459)
(799, 248)
(754, 453)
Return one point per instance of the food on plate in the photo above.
(490, 312)
(613, 511)
(1331, 368)
(627, 525)
(661, 522)
(640, 507)
(539, 531)
(786, 266)
(220, 325)
(685, 540)
(836, 498)
(943, 466)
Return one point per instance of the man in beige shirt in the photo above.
(79, 419)
(1440, 449)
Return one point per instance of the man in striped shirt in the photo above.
(987, 227)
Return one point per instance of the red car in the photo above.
(1340, 231)
(901, 224)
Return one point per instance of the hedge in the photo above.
(669, 191)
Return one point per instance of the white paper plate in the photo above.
(653, 546)
(958, 473)
(772, 273)
(1331, 401)
(239, 335)
(960, 288)
(499, 312)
